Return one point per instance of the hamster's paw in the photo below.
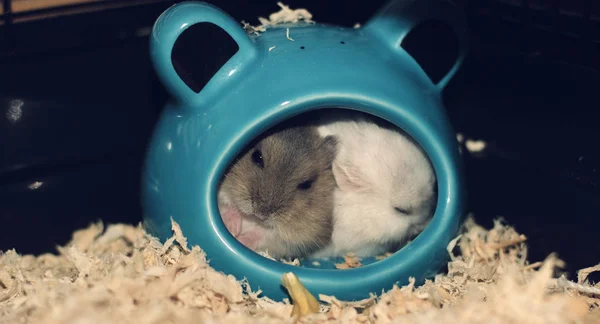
(250, 239)
(232, 219)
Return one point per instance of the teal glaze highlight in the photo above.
(270, 79)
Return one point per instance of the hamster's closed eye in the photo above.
(405, 211)
(306, 184)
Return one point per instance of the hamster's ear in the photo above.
(197, 50)
(349, 177)
(330, 144)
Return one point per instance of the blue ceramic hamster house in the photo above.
(271, 78)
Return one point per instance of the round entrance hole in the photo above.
(332, 188)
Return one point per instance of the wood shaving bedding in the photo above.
(284, 16)
(381, 257)
(293, 262)
(350, 261)
(120, 274)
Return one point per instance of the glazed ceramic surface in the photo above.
(285, 71)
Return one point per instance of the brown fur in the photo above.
(298, 221)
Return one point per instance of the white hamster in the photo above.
(386, 186)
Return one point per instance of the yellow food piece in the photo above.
(304, 302)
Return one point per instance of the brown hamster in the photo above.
(277, 196)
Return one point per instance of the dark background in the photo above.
(79, 100)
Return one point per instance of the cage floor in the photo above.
(118, 274)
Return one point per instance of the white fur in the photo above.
(376, 169)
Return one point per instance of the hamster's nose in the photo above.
(267, 207)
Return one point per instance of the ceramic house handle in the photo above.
(171, 24)
(394, 21)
